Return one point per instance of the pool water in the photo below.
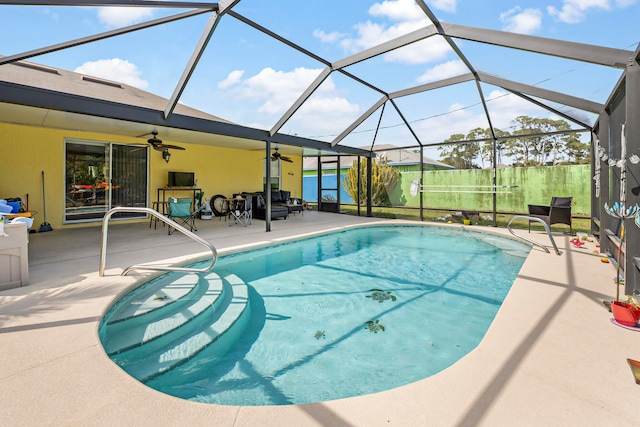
(352, 313)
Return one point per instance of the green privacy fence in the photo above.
(470, 189)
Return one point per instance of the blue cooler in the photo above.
(15, 206)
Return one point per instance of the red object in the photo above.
(577, 243)
(625, 314)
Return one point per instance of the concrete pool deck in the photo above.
(551, 356)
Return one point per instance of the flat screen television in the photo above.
(181, 179)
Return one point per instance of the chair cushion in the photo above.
(276, 196)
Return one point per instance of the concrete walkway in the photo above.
(550, 358)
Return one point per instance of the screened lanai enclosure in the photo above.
(509, 117)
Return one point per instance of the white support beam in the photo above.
(118, 3)
(549, 95)
(385, 47)
(433, 85)
(610, 57)
(100, 36)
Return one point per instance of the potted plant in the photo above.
(626, 313)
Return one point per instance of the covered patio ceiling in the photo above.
(385, 110)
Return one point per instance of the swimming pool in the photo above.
(340, 315)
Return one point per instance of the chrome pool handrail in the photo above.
(172, 224)
(546, 227)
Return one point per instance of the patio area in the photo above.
(551, 357)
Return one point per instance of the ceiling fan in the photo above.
(158, 145)
(275, 156)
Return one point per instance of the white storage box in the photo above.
(14, 256)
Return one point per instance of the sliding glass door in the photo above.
(128, 177)
(100, 175)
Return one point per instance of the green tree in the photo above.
(486, 147)
(547, 146)
(576, 150)
(523, 148)
(383, 181)
(461, 155)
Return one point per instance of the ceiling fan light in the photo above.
(166, 155)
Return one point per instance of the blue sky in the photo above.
(249, 78)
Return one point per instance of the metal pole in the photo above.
(632, 233)
(267, 185)
(338, 182)
(605, 220)
(495, 182)
(319, 183)
(420, 193)
(369, 177)
(359, 186)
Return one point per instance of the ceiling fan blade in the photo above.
(173, 147)
(162, 147)
(286, 159)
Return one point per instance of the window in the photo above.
(276, 170)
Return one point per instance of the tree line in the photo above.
(550, 146)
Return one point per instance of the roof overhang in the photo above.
(31, 106)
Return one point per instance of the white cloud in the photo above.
(443, 71)
(408, 17)
(115, 69)
(444, 5)
(458, 120)
(275, 91)
(397, 10)
(327, 37)
(526, 21)
(574, 11)
(233, 78)
(51, 14)
(422, 52)
(122, 16)
(336, 112)
(503, 108)
(372, 34)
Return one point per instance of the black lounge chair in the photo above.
(558, 212)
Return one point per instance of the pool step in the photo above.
(159, 312)
(178, 345)
(165, 290)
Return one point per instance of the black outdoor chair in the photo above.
(559, 212)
